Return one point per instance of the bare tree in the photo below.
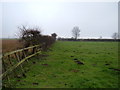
(76, 32)
(115, 35)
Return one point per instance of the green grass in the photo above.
(62, 71)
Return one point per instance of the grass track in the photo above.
(59, 70)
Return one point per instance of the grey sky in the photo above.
(93, 18)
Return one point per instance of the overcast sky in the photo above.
(94, 19)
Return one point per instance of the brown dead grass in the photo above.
(10, 45)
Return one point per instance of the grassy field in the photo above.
(73, 65)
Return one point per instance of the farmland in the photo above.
(10, 45)
(69, 64)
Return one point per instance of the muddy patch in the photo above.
(45, 64)
(79, 62)
(107, 64)
(75, 59)
(74, 70)
(114, 69)
(35, 83)
(71, 56)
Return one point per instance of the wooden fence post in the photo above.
(25, 55)
(33, 50)
(10, 60)
(19, 61)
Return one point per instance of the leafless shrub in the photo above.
(29, 36)
(33, 36)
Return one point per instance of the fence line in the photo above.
(14, 59)
(16, 65)
(19, 50)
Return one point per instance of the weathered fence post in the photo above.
(33, 50)
(18, 58)
(25, 55)
(10, 60)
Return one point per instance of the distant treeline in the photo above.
(70, 39)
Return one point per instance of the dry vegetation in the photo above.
(29, 37)
(10, 45)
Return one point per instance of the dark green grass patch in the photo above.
(59, 69)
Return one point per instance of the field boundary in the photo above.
(6, 54)
(16, 65)
(14, 59)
